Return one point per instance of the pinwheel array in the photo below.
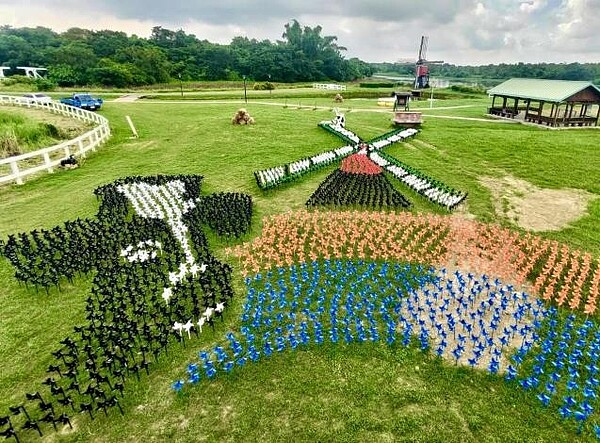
(433, 190)
(563, 371)
(156, 282)
(360, 164)
(430, 240)
(466, 319)
(273, 177)
(470, 320)
(359, 183)
(276, 176)
(228, 214)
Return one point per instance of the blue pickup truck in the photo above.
(83, 101)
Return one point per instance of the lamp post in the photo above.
(245, 95)
(431, 97)
(180, 83)
(270, 85)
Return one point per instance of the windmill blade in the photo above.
(423, 48)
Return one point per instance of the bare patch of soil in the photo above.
(533, 208)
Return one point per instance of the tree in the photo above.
(63, 75)
(148, 64)
(106, 43)
(319, 56)
(111, 73)
(79, 56)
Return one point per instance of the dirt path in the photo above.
(534, 208)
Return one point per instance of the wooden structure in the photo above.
(547, 102)
(402, 100)
(408, 119)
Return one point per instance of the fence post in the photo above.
(81, 150)
(15, 170)
(48, 163)
(93, 141)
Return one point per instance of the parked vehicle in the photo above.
(38, 98)
(83, 101)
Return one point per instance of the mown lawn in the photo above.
(344, 393)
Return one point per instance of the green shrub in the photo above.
(9, 145)
(263, 86)
(43, 84)
(377, 85)
(467, 89)
(18, 79)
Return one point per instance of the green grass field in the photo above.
(343, 393)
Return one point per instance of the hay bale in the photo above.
(242, 117)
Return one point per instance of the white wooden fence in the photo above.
(330, 86)
(33, 162)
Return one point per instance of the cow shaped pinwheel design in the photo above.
(156, 281)
(429, 188)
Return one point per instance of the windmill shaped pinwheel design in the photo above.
(360, 177)
(155, 281)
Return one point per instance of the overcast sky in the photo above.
(460, 31)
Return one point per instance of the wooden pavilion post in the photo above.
(540, 111)
(516, 108)
(571, 113)
(597, 115)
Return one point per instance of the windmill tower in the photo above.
(421, 67)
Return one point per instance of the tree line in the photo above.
(552, 71)
(80, 57)
(111, 58)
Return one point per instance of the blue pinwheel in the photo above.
(268, 351)
(194, 378)
(178, 385)
(544, 398)
(565, 411)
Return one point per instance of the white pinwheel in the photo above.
(187, 327)
(208, 313)
(178, 327)
(167, 294)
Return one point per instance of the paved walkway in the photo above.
(127, 98)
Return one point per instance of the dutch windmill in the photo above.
(422, 65)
